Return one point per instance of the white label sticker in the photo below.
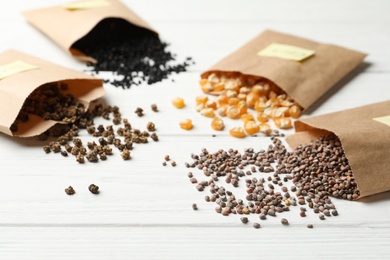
(15, 67)
(384, 119)
(287, 52)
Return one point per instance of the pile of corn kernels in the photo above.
(235, 94)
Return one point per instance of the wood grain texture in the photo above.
(144, 209)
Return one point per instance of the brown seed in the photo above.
(284, 221)
(173, 163)
(126, 154)
(309, 226)
(166, 157)
(93, 189)
(46, 149)
(194, 206)
(154, 108)
(244, 220)
(256, 225)
(151, 127)
(70, 190)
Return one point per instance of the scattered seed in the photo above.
(70, 190)
(309, 226)
(93, 189)
(244, 220)
(154, 108)
(256, 225)
(284, 221)
(194, 206)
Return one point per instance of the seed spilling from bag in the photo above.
(235, 93)
(318, 171)
(51, 102)
(139, 57)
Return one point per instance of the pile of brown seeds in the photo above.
(50, 101)
(123, 137)
(314, 172)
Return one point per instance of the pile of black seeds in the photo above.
(50, 101)
(134, 54)
(314, 172)
(123, 136)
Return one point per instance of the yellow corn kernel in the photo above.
(233, 101)
(272, 94)
(206, 88)
(186, 124)
(231, 93)
(233, 112)
(201, 99)
(221, 110)
(260, 105)
(261, 117)
(203, 82)
(247, 117)
(237, 132)
(218, 87)
(217, 124)
(283, 122)
(251, 127)
(213, 78)
(211, 104)
(207, 112)
(222, 99)
(199, 107)
(273, 102)
(285, 103)
(243, 107)
(276, 112)
(251, 99)
(232, 84)
(281, 97)
(241, 96)
(178, 102)
(261, 89)
(244, 90)
(294, 111)
(265, 128)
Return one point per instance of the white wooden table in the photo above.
(144, 210)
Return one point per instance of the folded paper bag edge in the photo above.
(259, 66)
(47, 72)
(363, 138)
(68, 33)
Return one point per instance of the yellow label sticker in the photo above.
(286, 52)
(87, 4)
(384, 119)
(15, 67)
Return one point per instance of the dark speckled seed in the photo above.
(141, 57)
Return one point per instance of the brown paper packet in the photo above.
(305, 81)
(366, 142)
(73, 29)
(15, 88)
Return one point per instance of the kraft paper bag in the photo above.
(78, 25)
(364, 133)
(302, 68)
(21, 74)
